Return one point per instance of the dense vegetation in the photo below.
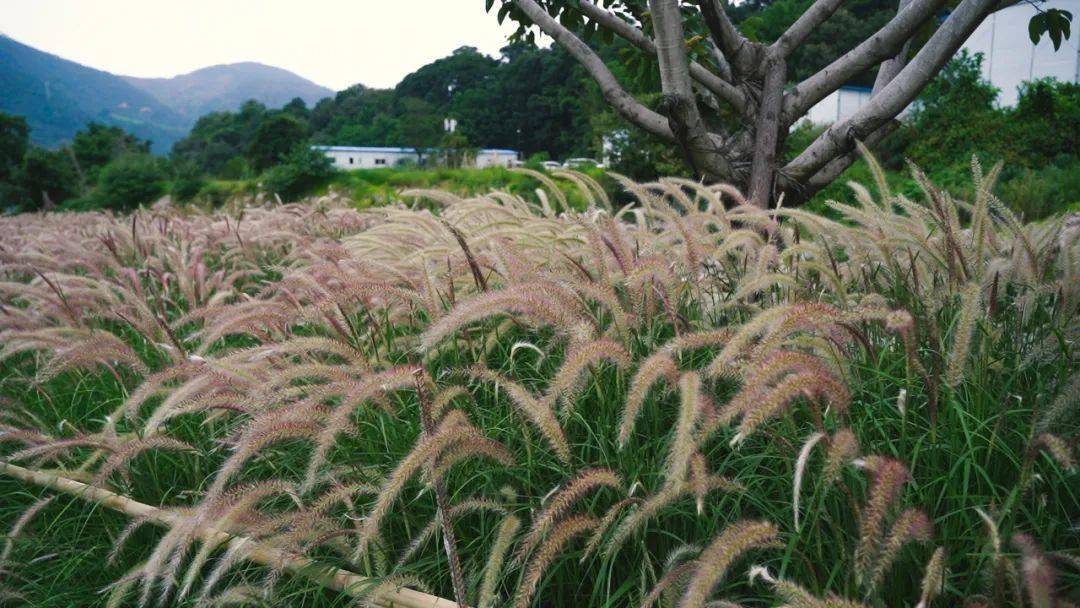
(257, 148)
(539, 402)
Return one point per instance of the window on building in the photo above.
(380, 161)
(350, 160)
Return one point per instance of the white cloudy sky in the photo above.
(335, 43)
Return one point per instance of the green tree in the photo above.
(97, 145)
(130, 181)
(706, 62)
(302, 171)
(47, 175)
(274, 138)
(14, 141)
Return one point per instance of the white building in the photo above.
(368, 157)
(840, 104)
(1009, 59)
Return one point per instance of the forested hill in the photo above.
(58, 97)
(227, 87)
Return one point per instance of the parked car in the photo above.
(551, 165)
(580, 163)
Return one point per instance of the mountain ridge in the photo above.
(59, 96)
(226, 86)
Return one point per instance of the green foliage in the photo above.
(47, 174)
(187, 182)
(302, 171)
(128, 182)
(1053, 22)
(14, 140)
(97, 145)
(219, 137)
(274, 138)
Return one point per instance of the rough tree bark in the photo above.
(752, 78)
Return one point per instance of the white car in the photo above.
(551, 165)
(577, 163)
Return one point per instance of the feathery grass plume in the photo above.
(496, 557)
(1038, 570)
(794, 596)
(656, 366)
(722, 551)
(779, 397)
(534, 410)
(964, 331)
(237, 506)
(119, 459)
(605, 523)
(933, 582)
(545, 555)
(888, 478)
(549, 184)
(1057, 448)
(451, 431)
(701, 481)
(1001, 575)
(648, 508)
(375, 595)
(465, 507)
(340, 419)
(490, 449)
(580, 486)
(678, 566)
(567, 381)
(759, 380)
(911, 525)
(800, 469)
(843, 448)
(682, 446)
(17, 528)
(536, 300)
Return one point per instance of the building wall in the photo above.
(367, 158)
(495, 158)
(349, 158)
(1010, 59)
(838, 105)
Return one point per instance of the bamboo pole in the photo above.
(349, 583)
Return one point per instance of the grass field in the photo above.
(504, 400)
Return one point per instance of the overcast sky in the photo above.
(335, 43)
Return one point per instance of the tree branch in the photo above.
(885, 43)
(892, 66)
(814, 16)
(767, 131)
(895, 96)
(671, 48)
(827, 174)
(636, 37)
(740, 52)
(701, 147)
(623, 103)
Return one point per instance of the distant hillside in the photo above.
(226, 87)
(58, 97)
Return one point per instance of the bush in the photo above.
(130, 181)
(303, 171)
(187, 182)
(1037, 194)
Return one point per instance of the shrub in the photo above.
(303, 171)
(130, 181)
